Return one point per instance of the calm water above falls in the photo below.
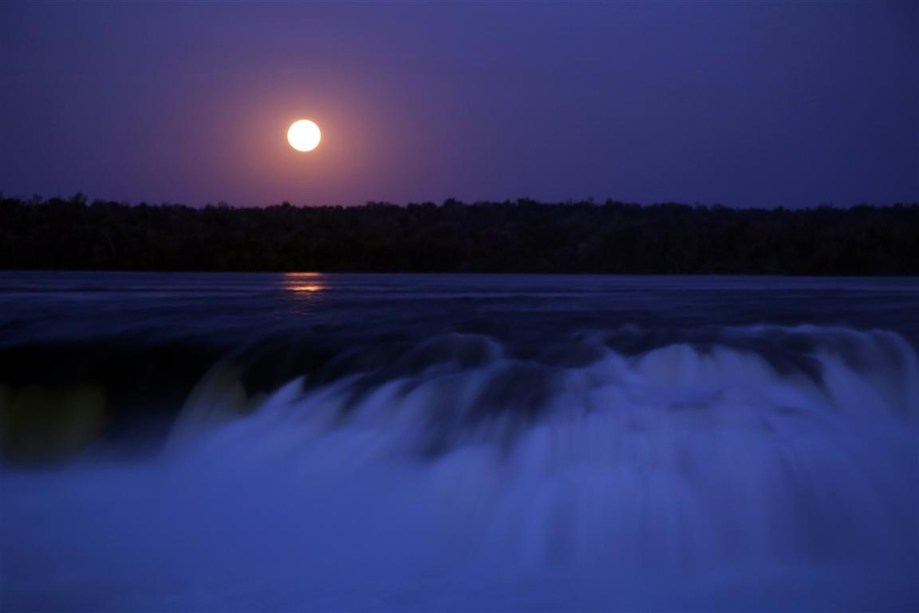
(397, 442)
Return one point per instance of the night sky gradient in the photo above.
(746, 103)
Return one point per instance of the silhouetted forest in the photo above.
(511, 236)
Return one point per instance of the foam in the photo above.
(766, 468)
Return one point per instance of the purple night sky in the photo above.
(742, 103)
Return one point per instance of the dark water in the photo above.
(471, 442)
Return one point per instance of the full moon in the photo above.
(303, 135)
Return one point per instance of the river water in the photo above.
(458, 442)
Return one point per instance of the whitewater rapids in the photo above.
(766, 468)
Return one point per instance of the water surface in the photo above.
(458, 442)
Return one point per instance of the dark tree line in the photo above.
(518, 236)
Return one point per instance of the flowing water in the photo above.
(458, 442)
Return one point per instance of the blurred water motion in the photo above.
(191, 442)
